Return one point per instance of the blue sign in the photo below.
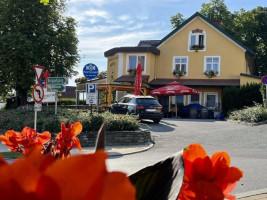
(91, 101)
(90, 88)
(90, 71)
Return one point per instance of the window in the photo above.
(195, 98)
(133, 60)
(211, 100)
(180, 64)
(197, 40)
(212, 63)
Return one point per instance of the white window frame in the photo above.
(200, 97)
(211, 93)
(127, 61)
(197, 38)
(219, 64)
(180, 57)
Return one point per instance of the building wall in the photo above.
(246, 79)
(232, 56)
(112, 68)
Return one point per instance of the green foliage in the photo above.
(253, 114)
(236, 98)
(216, 10)
(176, 20)
(18, 119)
(32, 33)
(66, 101)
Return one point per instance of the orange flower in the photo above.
(28, 138)
(208, 178)
(10, 140)
(66, 139)
(43, 177)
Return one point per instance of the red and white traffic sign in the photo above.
(38, 93)
(264, 80)
(38, 71)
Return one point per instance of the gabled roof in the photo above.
(197, 14)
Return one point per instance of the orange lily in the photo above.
(39, 177)
(66, 139)
(28, 138)
(208, 178)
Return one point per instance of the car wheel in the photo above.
(156, 121)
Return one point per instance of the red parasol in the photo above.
(138, 79)
(174, 88)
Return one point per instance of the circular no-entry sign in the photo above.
(38, 93)
(264, 80)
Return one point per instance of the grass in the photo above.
(11, 155)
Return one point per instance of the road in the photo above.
(246, 146)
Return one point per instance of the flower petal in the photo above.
(44, 137)
(76, 128)
(67, 174)
(193, 152)
(77, 143)
(117, 186)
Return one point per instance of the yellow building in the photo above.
(198, 54)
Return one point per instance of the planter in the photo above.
(116, 138)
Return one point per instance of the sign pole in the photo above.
(55, 116)
(35, 113)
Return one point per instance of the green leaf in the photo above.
(160, 181)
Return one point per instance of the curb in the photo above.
(117, 150)
(251, 193)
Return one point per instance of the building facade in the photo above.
(198, 54)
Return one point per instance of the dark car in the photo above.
(146, 107)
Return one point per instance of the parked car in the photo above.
(146, 107)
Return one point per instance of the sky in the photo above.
(105, 24)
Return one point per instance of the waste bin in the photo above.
(204, 113)
(193, 113)
(211, 114)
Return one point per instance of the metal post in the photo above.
(55, 116)
(35, 113)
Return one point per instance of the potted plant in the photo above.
(178, 73)
(132, 72)
(210, 73)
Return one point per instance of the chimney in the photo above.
(217, 22)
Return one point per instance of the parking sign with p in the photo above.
(90, 88)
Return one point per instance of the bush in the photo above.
(253, 114)
(18, 119)
(66, 101)
(234, 98)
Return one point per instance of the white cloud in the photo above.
(83, 30)
(98, 45)
(124, 17)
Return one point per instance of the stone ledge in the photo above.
(113, 138)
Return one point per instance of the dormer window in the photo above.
(134, 59)
(197, 40)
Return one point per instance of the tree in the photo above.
(251, 29)
(216, 10)
(176, 20)
(32, 33)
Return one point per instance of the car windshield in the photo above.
(149, 101)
